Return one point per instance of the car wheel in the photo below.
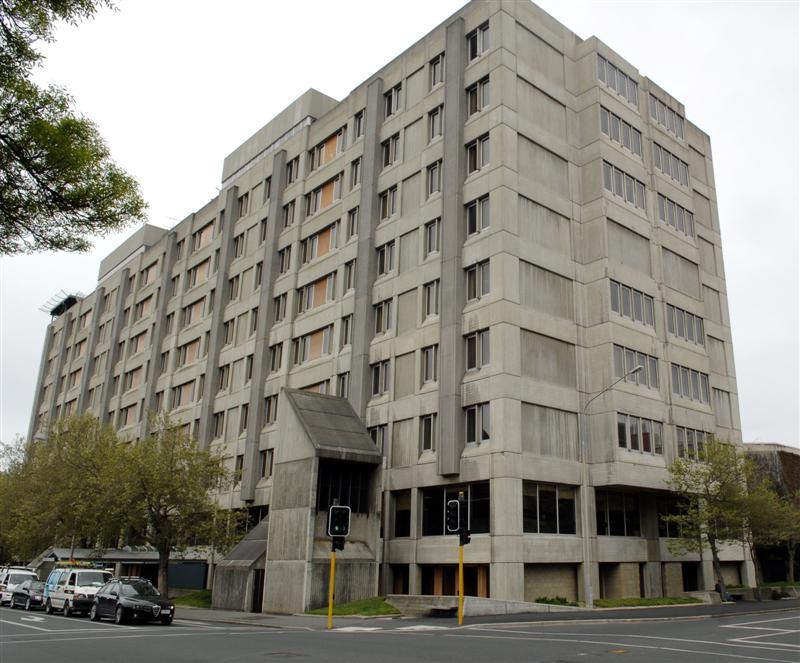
(66, 610)
(11, 603)
(93, 614)
(166, 621)
(48, 607)
(28, 604)
(119, 615)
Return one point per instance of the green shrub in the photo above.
(555, 600)
(366, 607)
(198, 599)
(636, 602)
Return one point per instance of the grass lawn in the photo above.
(377, 605)
(198, 599)
(632, 603)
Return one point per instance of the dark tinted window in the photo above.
(138, 587)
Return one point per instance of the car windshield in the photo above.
(140, 587)
(36, 586)
(16, 578)
(92, 578)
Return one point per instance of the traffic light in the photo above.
(339, 521)
(453, 516)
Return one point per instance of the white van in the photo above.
(10, 577)
(74, 590)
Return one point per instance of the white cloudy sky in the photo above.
(176, 85)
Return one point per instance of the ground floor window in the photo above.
(434, 501)
(547, 508)
(349, 483)
(442, 580)
(617, 514)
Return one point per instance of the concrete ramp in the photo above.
(427, 606)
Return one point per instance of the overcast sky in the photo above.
(176, 85)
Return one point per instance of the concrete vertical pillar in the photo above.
(62, 358)
(365, 256)
(266, 317)
(37, 396)
(706, 579)
(113, 345)
(452, 286)
(507, 571)
(228, 218)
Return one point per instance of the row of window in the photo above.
(633, 304)
(676, 216)
(665, 116)
(620, 131)
(618, 81)
(640, 434)
(685, 325)
(691, 442)
(671, 165)
(689, 383)
(623, 185)
(626, 360)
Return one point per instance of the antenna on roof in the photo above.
(60, 302)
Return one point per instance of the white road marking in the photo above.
(422, 627)
(760, 621)
(110, 636)
(32, 619)
(38, 628)
(357, 629)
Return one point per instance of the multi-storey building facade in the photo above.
(489, 231)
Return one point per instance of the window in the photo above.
(437, 70)
(478, 426)
(137, 343)
(257, 275)
(228, 328)
(388, 202)
(202, 237)
(355, 173)
(383, 316)
(478, 215)
(478, 280)
(666, 507)
(691, 442)
(267, 189)
(430, 360)
(148, 275)
(620, 131)
(477, 348)
(238, 246)
(670, 165)
(316, 293)
(685, 325)
(666, 117)
(617, 514)
(183, 394)
(689, 383)
(262, 231)
(312, 346)
(270, 409)
(179, 249)
(623, 185)
(292, 170)
(352, 223)
(285, 259)
(327, 150)
(243, 414)
(243, 204)
(347, 330)
(432, 237)
(430, 298)
(233, 288)
(389, 150)
(434, 179)
(478, 96)
(434, 501)
(254, 320)
(127, 415)
(324, 196)
(223, 377)
(193, 312)
(547, 508)
(358, 124)
(639, 434)
(391, 100)
(381, 378)
(288, 214)
(616, 80)
(74, 378)
(427, 432)
(343, 384)
(319, 244)
(189, 352)
(632, 304)
(379, 436)
(349, 275)
(477, 154)
(435, 123)
(248, 368)
(625, 360)
(143, 308)
(266, 459)
(219, 424)
(238, 468)
(478, 42)
(279, 304)
(675, 215)
(174, 285)
(349, 483)
(385, 258)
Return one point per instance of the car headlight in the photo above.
(81, 596)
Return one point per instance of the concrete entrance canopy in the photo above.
(235, 576)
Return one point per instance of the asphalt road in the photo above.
(37, 638)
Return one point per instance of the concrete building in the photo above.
(472, 244)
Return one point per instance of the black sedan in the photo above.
(28, 595)
(123, 599)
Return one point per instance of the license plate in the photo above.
(164, 611)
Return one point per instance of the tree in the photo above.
(58, 183)
(711, 492)
(170, 480)
(766, 519)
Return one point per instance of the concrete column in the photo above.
(158, 330)
(651, 580)
(88, 364)
(37, 395)
(706, 578)
(506, 540)
(450, 417)
(113, 345)
(62, 352)
(266, 317)
(228, 218)
(365, 257)
(507, 581)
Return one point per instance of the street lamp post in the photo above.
(587, 576)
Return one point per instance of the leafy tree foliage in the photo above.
(58, 184)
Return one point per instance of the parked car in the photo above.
(126, 598)
(71, 589)
(28, 595)
(10, 577)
